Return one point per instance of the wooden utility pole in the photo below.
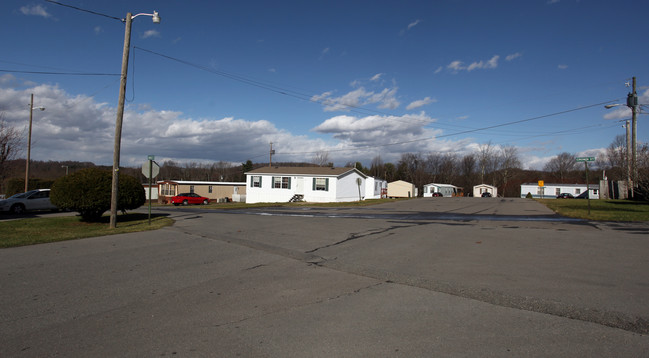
(632, 101)
(29, 143)
(270, 160)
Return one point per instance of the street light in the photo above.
(120, 113)
(29, 140)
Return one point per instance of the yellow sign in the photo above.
(541, 183)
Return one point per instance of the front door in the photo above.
(299, 185)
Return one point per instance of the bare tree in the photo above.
(377, 169)
(561, 165)
(486, 160)
(616, 152)
(509, 162)
(321, 158)
(10, 144)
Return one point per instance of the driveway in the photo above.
(498, 278)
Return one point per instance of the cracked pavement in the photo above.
(427, 277)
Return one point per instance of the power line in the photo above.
(84, 10)
(61, 73)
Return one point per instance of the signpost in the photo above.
(586, 160)
(150, 169)
(541, 185)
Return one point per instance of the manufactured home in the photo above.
(443, 189)
(551, 191)
(310, 184)
(480, 189)
(215, 190)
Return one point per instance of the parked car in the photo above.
(565, 196)
(437, 193)
(486, 194)
(189, 198)
(38, 199)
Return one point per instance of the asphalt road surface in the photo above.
(435, 277)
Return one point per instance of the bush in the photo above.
(87, 192)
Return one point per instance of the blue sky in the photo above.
(219, 81)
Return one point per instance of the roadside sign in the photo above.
(585, 159)
(155, 169)
(541, 183)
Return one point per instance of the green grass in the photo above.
(43, 230)
(602, 210)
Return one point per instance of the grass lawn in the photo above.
(42, 230)
(603, 210)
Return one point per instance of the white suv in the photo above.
(38, 199)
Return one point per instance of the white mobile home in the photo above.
(444, 189)
(480, 189)
(310, 184)
(550, 191)
(375, 188)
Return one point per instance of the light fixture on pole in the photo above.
(29, 140)
(114, 195)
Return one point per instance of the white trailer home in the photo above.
(480, 189)
(551, 191)
(310, 184)
(444, 189)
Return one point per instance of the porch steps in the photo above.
(296, 198)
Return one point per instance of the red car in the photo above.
(189, 198)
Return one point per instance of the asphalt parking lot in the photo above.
(456, 277)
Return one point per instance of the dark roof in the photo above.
(304, 171)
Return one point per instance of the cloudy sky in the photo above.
(220, 81)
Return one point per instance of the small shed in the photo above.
(480, 189)
(401, 189)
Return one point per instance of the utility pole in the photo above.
(114, 195)
(270, 161)
(628, 161)
(632, 102)
(29, 143)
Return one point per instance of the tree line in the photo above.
(496, 165)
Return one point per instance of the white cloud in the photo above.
(79, 129)
(492, 63)
(413, 24)
(513, 56)
(410, 26)
(376, 77)
(326, 50)
(98, 30)
(562, 67)
(150, 33)
(420, 103)
(377, 129)
(457, 65)
(35, 10)
(357, 98)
